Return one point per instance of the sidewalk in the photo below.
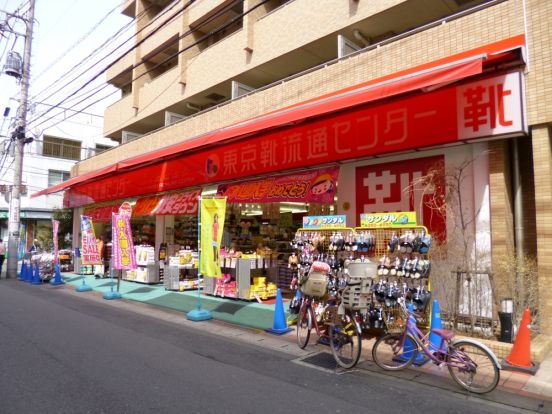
(538, 388)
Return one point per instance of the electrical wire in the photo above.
(92, 54)
(137, 44)
(94, 65)
(78, 42)
(201, 39)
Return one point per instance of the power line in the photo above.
(79, 75)
(94, 52)
(77, 43)
(203, 38)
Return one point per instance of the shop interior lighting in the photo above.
(209, 191)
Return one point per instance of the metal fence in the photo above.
(474, 310)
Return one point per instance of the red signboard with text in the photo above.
(485, 107)
(399, 186)
(318, 186)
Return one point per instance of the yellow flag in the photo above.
(212, 213)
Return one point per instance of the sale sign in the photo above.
(89, 253)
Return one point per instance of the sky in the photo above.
(66, 34)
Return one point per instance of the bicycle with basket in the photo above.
(351, 295)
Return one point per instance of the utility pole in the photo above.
(15, 199)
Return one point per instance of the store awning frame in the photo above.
(428, 76)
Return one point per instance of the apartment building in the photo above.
(221, 92)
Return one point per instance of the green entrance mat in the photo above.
(250, 314)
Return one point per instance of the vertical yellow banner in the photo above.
(213, 211)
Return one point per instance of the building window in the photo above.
(57, 177)
(61, 148)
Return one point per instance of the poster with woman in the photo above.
(212, 215)
(89, 253)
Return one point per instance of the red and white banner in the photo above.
(181, 204)
(317, 186)
(102, 213)
(395, 186)
(485, 107)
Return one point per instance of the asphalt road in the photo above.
(61, 353)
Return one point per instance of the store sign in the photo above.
(490, 107)
(177, 204)
(102, 213)
(125, 209)
(89, 252)
(123, 253)
(398, 186)
(395, 219)
(324, 222)
(318, 186)
(486, 107)
(22, 214)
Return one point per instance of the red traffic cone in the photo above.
(520, 356)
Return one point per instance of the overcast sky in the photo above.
(66, 33)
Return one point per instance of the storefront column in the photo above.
(77, 212)
(480, 173)
(346, 194)
(502, 220)
(159, 232)
(169, 230)
(542, 164)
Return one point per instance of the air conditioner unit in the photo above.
(129, 136)
(171, 117)
(239, 89)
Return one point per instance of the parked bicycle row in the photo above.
(358, 304)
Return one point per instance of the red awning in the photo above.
(404, 82)
(448, 73)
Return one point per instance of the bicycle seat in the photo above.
(446, 334)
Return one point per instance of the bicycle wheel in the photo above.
(391, 354)
(472, 367)
(304, 325)
(346, 341)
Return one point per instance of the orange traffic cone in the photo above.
(520, 356)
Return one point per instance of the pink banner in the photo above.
(55, 229)
(123, 253)
(90, 254)
(316, 186)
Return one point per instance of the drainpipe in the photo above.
(518, 200)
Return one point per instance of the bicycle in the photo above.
(342, 330)
(306, 320)
(471, 364)
(345, 334)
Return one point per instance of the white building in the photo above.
(58, 144)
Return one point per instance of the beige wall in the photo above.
(444, 40)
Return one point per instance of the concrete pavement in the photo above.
(538, 387)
